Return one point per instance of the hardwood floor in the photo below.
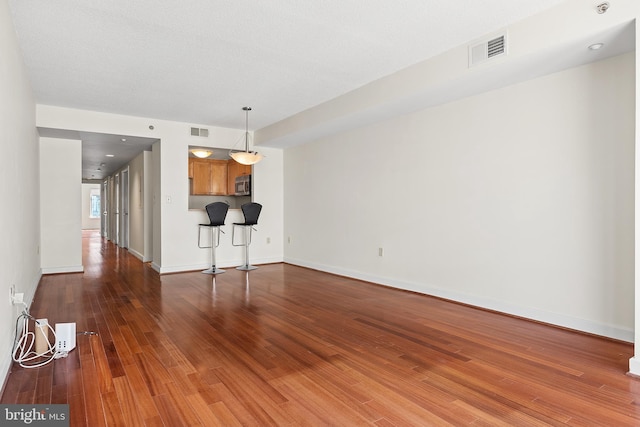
(285, 345)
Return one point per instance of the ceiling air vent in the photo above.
(200, 132)
(481, 52)
(495, 47)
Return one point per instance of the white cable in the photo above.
(23, 346)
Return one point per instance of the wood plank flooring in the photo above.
(289, 346)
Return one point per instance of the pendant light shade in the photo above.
(246, 157)
(201, 153)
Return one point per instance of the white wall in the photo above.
(60, 200)
(140, 207)
(519, 200)
(19, 180)
(180, 251)
(634, 362)
(175, 242)
(89, 223)
(147, 205)
(136, 206)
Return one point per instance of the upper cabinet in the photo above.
(235, 170)
(219, 177)
(208, 177)
(212, 177)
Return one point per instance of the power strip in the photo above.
(65, 337)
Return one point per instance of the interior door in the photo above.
(124, 209)
(116, 210)
(104, 200)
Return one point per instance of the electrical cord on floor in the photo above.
(23, 345)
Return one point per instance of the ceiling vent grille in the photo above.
(488, 49)
(200, 132)
(495, 47)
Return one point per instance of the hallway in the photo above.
(284, 345)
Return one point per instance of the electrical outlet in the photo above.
(289, 239)
(268, 240)
(380, 252)
(17, 298)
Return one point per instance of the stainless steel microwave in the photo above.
(243, 185)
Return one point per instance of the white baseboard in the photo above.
(65, 269)
(634, 366)
(221, 264)
(138, 255)
(557, 319)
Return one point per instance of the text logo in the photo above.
(34, 415)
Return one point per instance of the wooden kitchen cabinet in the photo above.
(235, 170)
(208, 177)
(219, 177)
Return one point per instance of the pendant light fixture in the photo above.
(246, 157)
(202, 153)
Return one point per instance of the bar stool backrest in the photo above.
(251, 212)
(217, 212)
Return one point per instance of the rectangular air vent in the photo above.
(495, 47)
(200, 132)
(481, 52)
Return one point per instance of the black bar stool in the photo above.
(217, 212)
(251, 212)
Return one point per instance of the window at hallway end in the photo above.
(94, 199)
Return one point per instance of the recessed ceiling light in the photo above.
(596, 46)
(123, 139)
(109, 155)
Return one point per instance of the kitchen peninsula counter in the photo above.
(234, 202)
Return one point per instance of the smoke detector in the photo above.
(602, 7)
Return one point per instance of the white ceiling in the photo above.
(201, 61)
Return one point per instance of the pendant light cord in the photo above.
(246, 129)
